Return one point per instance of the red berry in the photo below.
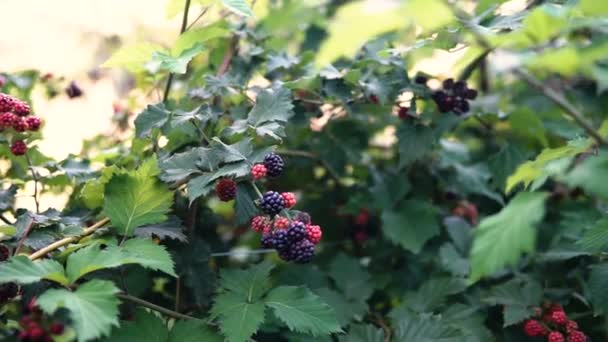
(26, 321)
(281, 222)
(4, 253)
(33, 123)
(314, 233)
(32, 306)
(289, 198)
(373, 99)
(362, 218)
(6, 103)
(556, 336)
(56, 329)
(225, 189)
(571, 326)
(20, 125)
(556, 307)
(534, 328)
(21, 108)
(23, 335)
(403, 112)
(361, 236)
(559, 317)
(7, 119)
(18, 148)
(576, 336)
(258, 171)
(260, 224)
(36, 333)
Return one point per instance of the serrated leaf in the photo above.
(425, 328)
(244, 206)
(132, 57)
(363, 333)
(272, 105)
(350, 277)
(249, 284)
(432, 293)
(149, 255)
(154, 116)
(176, 64)
(20, 269)
(518, 299)
(92, 191)
(302, 310)
(192, 331)
(588, 175)
(240, 7)
(8, 230)
(453, 261)
(172, 229)
(414, 142)
(201, 35)
(596, 237)
(238, 151)
(544, 22)
(597, 288)
(500, 239)
(137, 198)
(411, 225)
(193, 267)
(7, 197)
(93, 307)
(199, 186)
(345, 309)
(146, 327)
(237, 318)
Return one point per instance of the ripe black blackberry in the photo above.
(302, 251)
(272, 203)
(286, 254)
(280, 241)
(274, 164)
(267, 240)
(8, 291)
(73, 90)
(303, 217)
(225, 189)
(296, 231)
(453, 97)
(421, 79)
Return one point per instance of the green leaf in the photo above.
(415, 141)
(154, 116)
(504, 163)
(8, 230)
(594, 8)
(500, 239)
(595, 238)
(147, 327)
(237, 318)
(425, 328)
(201, 35)
(518, 299)
(345, 309)
(544, 22)
(432, 293)
(249, 284)
(199, 186)
(20, 269)
(137, 198)
(302, 310)
(363, 333)
(192, 331)
(240, 7)
(238, 151)
(272, 109)
(93, 307)
(132, 57)
(244, 206)
(453, 261)
(183, 165)
(177, 64)
(350, 277)
(588, 175)
(411, 225)
(171, 229)
(149, 255)
(597, 288)
(527, 123)
(92, 191)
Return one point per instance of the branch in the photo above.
(155, 307)
(182, 30)
(66, 241)
(548, 92)
(35, 177)
(228, 56)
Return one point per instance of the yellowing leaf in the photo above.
(133, 57)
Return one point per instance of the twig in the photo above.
(178, 285)
(228, 56)
(30, 225)
(198, 18)
(182, 30)
(551, 94)
(35, 177)
(5, 220)
(155, 307)
(66, 241)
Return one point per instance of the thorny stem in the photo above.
(522, 74)
(182, 30)
(155, 307)
(35, 177)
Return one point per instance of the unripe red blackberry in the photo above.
(534, 328)
(4, 253)
(302, 251)
(56, 329)
(258, 171)
(225, 189)
(18, 148)
(559, 317)
(21, 108)
(314, 233)
(260, 223)
(20, 125)
(281, 222)
(571, 326)
(296, 231)
(272, 203)
(7, 119)
(289, 198)
(362, 218)
(403, 112)
(33, 123)
(274, 164)
(6, 103)
(36, 333)
(576, 336)
(279, 240)
(556, 336)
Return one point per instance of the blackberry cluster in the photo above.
(551, 321)
(35, 328)
(225, 189)
(274, 164)
(15, 120)
(454, 97)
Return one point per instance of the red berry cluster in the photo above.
(14, 114)
(467, 211)
(225, 189)
(35, 328)
(552, 321)
(454, 97)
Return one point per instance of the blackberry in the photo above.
(374, 99)
(260, 224)
(272, 203)
(403, 112)
(286, 254)
(225, 189)
(303, 217)
(421, 79)
(7, 119)
(73, 90)
(460, 88)
(274, 164)
(18, 148)
(6, 103)
(556, 336)
(296, 231)
(20, 125)
(534, 328)
(559, 317)
(8, 291)
(280, 241)
(281, 222)
(258, 171)
(302, 251)
(4, 253)
(289, 198)
(56, 329)
(577, 336)
(314, 233)
(21, 108)
(471, 94)
(33, 123)
(448, 84)
(267, 240)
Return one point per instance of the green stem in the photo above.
(182, 30)
(258, 192)
(155, 307)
